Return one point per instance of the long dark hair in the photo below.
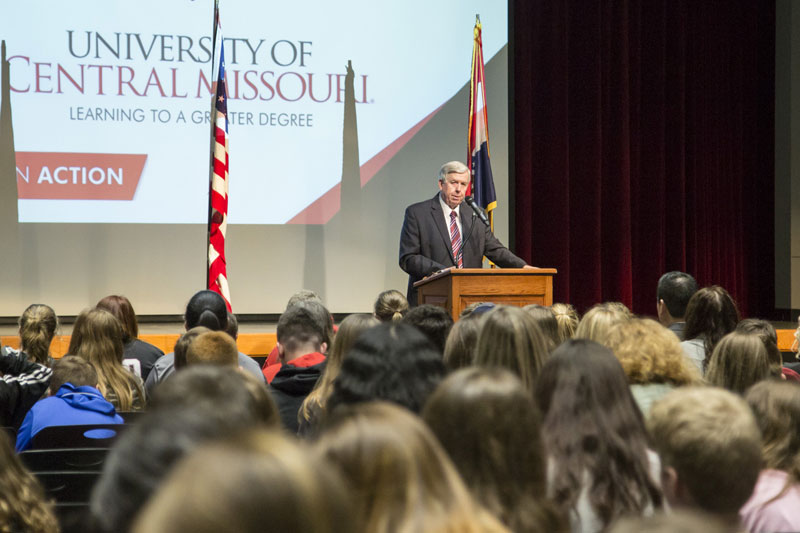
(206, 308)
(593, 426)
(711, 314)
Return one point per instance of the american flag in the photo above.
(218, 193)
(482, 186)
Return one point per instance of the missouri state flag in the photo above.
(218, 189)
(482, 186)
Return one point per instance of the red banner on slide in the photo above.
(72, 176)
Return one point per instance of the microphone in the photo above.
(478, 211)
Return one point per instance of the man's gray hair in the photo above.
(453, 167)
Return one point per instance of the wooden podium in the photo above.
(457, 288)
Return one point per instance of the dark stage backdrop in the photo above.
(643, 142)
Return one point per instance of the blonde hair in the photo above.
(349, 330)
(511, 339)
(650, 353)
(462, 343)
(37, 326)
(598, 321)
(97, 337)
(22, 502)
(391, 305)
(401, 477)
(710, 437)
(738, 361)
(245, 484)
(213, 347)
(567, 319)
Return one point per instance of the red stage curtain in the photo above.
(643, 142)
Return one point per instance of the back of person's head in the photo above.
(37, 326)
(232, 328)
(213, 347)
(481, 307)
(769, 337)
(349, 330)
(206, 308)
(709, 439)
(183, 342)
(510, 339)
(739, 361)
(547, 322)
(193, 407)
(304, 295)
(676, 289)
(121, 307)
(490, 427)
(598, 321)
(391, 305)
(227, 391)
(434, 321)
(254, 481)
(462, 343)
(72, 369)
(97, 337)
(710, 315)
(304, 323)
(567, 319)
(392, 362)
(776, 405)
(22, 501)
(401, 478)
(650, 353)
(603, 435)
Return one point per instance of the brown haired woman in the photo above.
(37, 327)
(97, 337)
(401, 478)
(22, 503)
(390, 306)
(710, 315)
(132, 346)
(490, 427)
(776, 499)
(739, 361)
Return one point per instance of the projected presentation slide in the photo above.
(111, 99)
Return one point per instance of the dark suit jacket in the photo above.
(425, 243)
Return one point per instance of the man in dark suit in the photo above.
(444, 232)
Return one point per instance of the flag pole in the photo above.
(212, 126)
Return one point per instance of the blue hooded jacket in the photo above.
(71, 406)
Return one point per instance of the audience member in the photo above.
(739, 361)
(393, 362)
(775, 501)
(673, 293)
(547, 322)
(37, 327)
(74, 401)
(195, 406)
(710, 315)
(22, 502)
(434, 321)
(301, 347)
(22, 383)
(232, 328)
(462, 343)
(490, 427)
(468, 310)
(599, 468)
(391, 305)
(182, 345)
(709, 445)
(679, 521)
(304, 295)
(314, 406)
(97, 338)
(254, 482)
(567, 319)
(133, 348)
(206, 308)
(598, 321)
(401, 479)
(213, 347)
(769, 337)
(652, 359)
(510, 339)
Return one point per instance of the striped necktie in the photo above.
(455, 239)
